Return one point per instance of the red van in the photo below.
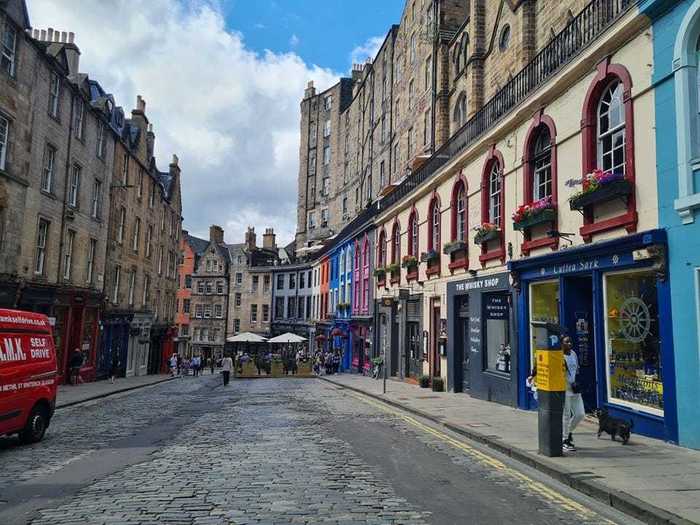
(27, 374)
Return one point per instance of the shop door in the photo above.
(578, 316)
(462, 353)
(435, 340)
(75, 335)
(414, 356)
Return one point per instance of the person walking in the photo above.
(574, 411)
(226, 367)
(195, 365)
(173, 364)
(75, 363)
(114, 368)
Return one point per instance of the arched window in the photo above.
(396, 244)
(495, 194)
(434, 234)
(413, 234)
(611, 129)
(381, 250)
(461, 110)
(465, 49)
(459, 211)
(541, 155)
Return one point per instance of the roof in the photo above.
(198, 245)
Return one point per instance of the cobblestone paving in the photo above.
(263, 451)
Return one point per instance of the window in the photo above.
(253, 313)
(68, 255)
(92, 252)
(266, 283)
(396, 111)
(96, 199)
(413, 234)
(280, 281)
(496, 314)
(236, 325)
(541, 155)
(426, 128)
(186, 304)
(381, 250)
(125, 170)
(137, 234)
(54, 93)
(266, 313)
(49, 171)
(74, 188)
(149, 239)
(115, 284)
(369, 187)
(611, 129)
(301, 280)
(132, 286)
(122, 225)
(101, 140)
(413, 48)
(199, 311)
(209, 265)
(409, 142)
(326, 155)
(152, 194)
(146, 289)
(328, 102)
(209, 287)
(79, 118)
(239, 278)
(292, 281)
(459, 210)
(324, 217)
(220, 287)
(504, 39)
(200, 287)
(382, 176)
(312, 135)
(396, 244)
(188, 281)
(207, 311)
(495, 194)
(291, 307)
(326, 186)
(461, 110)
(434, 239)
(428, 75)
(9, 49)
(396, 157)
(312, 162)
(160, 260)
(633, 343)
(237, 299)
(279, 307)
(345, 206)
(300, 307)
(41, 242)
(411, 93)
(327, 128)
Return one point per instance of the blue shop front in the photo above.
(613, 299)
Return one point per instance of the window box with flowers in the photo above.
(411, 264)
(432, 260)
(600, 186)
(380, 273)
(486, 232)
(394, 269)
(453, 247)
(539, 212)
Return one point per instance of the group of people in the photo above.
(181, 366)
(327, 363)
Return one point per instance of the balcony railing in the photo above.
(584, 29)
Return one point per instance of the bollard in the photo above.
(551, 388)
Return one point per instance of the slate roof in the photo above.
(198, 245)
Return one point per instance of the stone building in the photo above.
(191, 248)
(56, 156)
(291, 299)
(145, 217)
(250, 284)
(209, 294)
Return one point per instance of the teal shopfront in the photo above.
(613, 299)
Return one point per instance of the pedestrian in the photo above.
(226, 367)
(114, 368)
(179, 364)
(211, 365)
(574, 411)
(75, 363)
(173, 364)
(196, 365)
(531, 383)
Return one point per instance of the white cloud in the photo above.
(368, 50)
(293, 41)
(231, 115)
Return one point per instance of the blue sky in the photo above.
(322, 32)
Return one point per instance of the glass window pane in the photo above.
(544, 307)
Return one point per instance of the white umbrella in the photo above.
(288, 338)
(246, 337)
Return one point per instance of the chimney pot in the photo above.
(42, 36)
(64, 37)
(71, 38)
(216, 234)
(175, 160)
(140, 104)
(49, 34)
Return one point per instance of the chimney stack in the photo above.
(140, 104)
(216, 234)
(310, 90)
(269, 239)
(250, 239)
(150, 141)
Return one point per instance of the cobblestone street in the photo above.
(265, 451)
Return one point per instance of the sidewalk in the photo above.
(70, 395)
(649, 479)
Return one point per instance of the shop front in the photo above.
(361, 345)
(115, 343)
(341, 341)
(387, 334)
(481, 338)
(139, 344)
(613, 299)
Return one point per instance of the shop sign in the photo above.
(480, 284)
(585, 265)
(496, 307)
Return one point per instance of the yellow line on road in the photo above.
(532, 485)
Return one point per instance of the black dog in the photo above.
(614, 426)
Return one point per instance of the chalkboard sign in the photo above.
(475, 335)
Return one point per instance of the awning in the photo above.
(246, 337)
(288, 338)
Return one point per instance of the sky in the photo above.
(223, 80)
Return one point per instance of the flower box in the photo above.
(393, 268)
(430, 256)
(454, 246)
(546, 215)
(486, 235)
(379, 273)
(409, 262)
(603, 193)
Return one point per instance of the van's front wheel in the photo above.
(36, 426)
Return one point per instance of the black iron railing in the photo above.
(590, 23)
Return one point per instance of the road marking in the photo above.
(530, 484)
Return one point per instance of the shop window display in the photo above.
(544, 307)
(633, 343)
(497, 332)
